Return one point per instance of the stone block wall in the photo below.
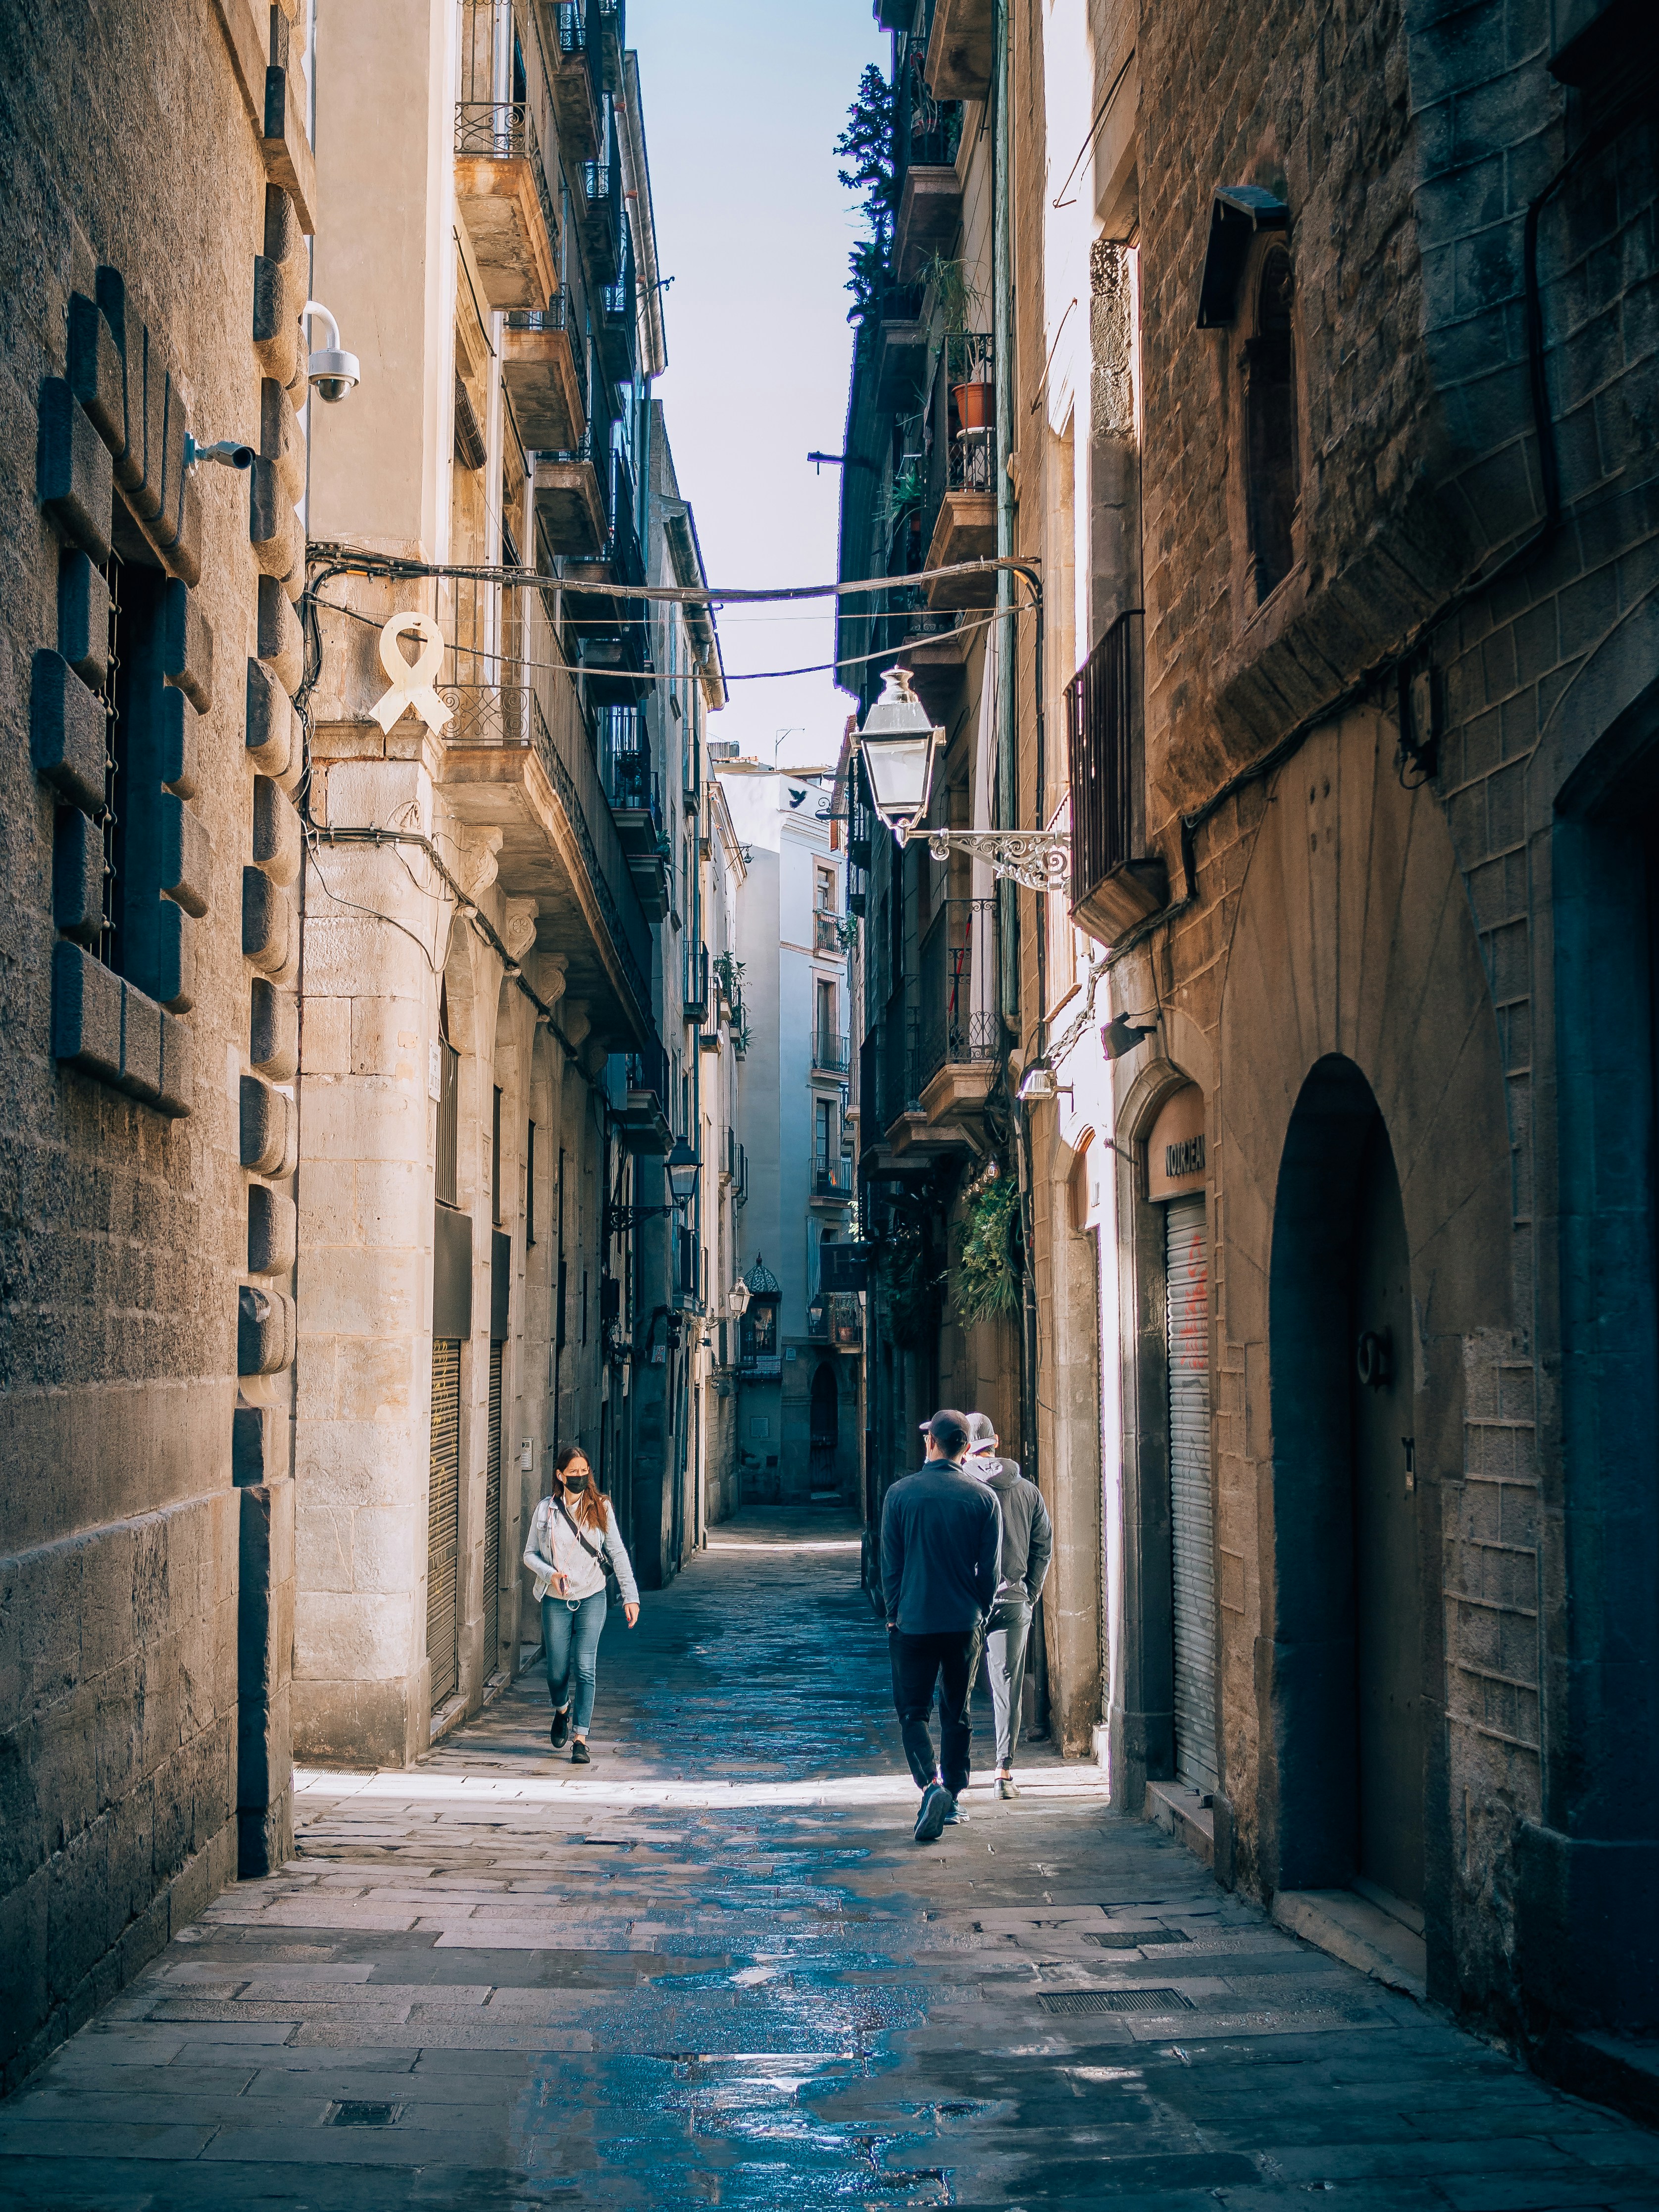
(1409, 145)
(135, 165)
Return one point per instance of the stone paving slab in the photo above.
(668, 1980)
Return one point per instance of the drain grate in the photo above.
(349, 2113)
(1074, 2001)
(1135, 1939)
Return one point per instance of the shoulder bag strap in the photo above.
(601, 1554)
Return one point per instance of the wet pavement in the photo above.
(712, 1968)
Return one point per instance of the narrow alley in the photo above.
(714, 1968)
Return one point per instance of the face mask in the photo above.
(575, 1482)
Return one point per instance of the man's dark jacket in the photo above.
(1028, 1535)
(941, 1549)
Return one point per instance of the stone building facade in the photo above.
(1330, 359)
(501, 912)
(1394, 361)
(151, 650)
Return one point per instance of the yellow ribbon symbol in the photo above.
(411, 686)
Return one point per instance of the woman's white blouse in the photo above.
(554, 1549)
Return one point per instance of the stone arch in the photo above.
(1353, 940)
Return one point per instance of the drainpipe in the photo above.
(1007, 814)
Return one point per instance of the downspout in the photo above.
(1005, 813)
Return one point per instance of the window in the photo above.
(495, 1156)
(823, 1129)
(447, 1174)
(825, 894)
(1270, 428)
(530, 1183)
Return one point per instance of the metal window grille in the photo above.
(446, 1177)
(495, 1156)
(1099, 708)
(114, 761)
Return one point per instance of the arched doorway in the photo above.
(1349, 1633)
(825, 1427)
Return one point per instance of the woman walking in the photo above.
(574, 1545)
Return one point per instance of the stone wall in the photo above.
(1408, 150)
(145, 267)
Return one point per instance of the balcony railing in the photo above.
(827, 933)
(647, 1070)
(958, 1017)
(502, 130)
(973, 460)
(832, 1175)
(831, 1055)
(559, 314)
(625, 754)
(899, 1083)
(694, 989)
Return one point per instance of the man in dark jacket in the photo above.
(941, 1546)
(1028, 1544)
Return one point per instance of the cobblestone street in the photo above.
(714, 1969)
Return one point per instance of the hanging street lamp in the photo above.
(900, 747)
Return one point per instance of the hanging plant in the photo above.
(988, 1275)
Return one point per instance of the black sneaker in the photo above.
(559, 1730)
(937, 1806)
(579, 1754)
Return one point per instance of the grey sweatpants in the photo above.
(1008, 1626)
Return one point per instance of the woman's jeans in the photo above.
(570, 1638)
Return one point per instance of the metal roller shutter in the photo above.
(443, 1518)
(492, 1562)
(1192, 1514)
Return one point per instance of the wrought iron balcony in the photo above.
(502, 191)
(831, 1055)
(602, 223)
(578, 75)
(645, 1113)
(832, 1177)
(694, 989)
(493, 728)
(827, 933)
(959, 1021)
(544, 368)
(1115, 883)
(618, 320)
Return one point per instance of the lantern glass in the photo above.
(683, 1168)
(899, 743)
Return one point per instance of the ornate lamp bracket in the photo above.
(1032, 857)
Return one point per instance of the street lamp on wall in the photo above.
(900, 746)
(684, 1168)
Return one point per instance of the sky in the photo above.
(744, 100)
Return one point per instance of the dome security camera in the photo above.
(332, 371)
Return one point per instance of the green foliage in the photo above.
(987, 1276)
(865, 146)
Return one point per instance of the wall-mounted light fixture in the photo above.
(900, 747)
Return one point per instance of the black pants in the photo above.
(951, 1660)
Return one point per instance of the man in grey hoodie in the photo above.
(1028, 1544)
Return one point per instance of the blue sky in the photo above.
(744, 100)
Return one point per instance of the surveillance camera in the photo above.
(226, 451)
(332, 371)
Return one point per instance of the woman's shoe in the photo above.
(1006, 1786)
(559, 1730)
(579, 1754)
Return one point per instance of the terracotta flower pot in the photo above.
(977, 405)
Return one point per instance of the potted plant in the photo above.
(967, 354)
